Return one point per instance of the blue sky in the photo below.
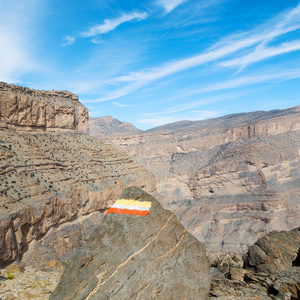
(158, 61)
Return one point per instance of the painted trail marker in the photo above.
(130, 207)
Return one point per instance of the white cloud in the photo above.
(191, 116)
(16, 48)
(250, 80)
(195, 104)
(111, 24)
(284, 23)
(95, 113)
(120, 104)
(69, 40)
(261, 53)
(169, 5)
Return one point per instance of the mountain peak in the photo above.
(108, 125)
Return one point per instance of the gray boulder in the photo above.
(288, 283)
(273, 253)
(144, 257)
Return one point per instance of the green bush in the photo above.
(10, 276)
(225, 262)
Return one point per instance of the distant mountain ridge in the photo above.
(229, 121)
(229, 180)
(104, 126)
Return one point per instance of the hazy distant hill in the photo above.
(104, 126)
(228, 121)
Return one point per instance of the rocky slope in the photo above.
(104, 126)
(137, 257)
(54, 185)
(229, 180)
(44, 111)
(271, 271)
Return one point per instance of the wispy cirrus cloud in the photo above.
(169, 5)
(278, 75)
(192, 116)
(282, 24)
(261, 53)
(111, 24)
(69, 40)
(107, 26)
(120, 104)
(194, 104)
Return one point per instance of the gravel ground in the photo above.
(32, 284)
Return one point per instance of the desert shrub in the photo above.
(225, 262)
(10, 276)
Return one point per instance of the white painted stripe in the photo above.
(122, 206)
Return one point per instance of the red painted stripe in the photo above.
(124, 211)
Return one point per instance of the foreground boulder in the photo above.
(271, 271)
(274, 253)
(136, 256)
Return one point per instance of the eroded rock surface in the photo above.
(137, 257)
(49, 179)
(25, 109)
(274, 252)
(230, 180)
(271, 270)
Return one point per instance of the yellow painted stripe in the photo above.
(133, 203)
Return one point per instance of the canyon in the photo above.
(56, 181)
(229, 180)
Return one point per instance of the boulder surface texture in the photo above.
(137, 257)
(274, 253)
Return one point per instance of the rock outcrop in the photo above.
(271, 270)
(274, 253)
(104, 126)
(277, 256)
(54, 186)
(230, 180)
(137, 257)
(25, 109)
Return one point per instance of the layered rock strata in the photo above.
(137, 257)
(229, 180)
(44, 111)
(54, 186)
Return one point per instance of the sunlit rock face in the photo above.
(24, 109)
(105, 126)
(55, 180)
(230, 180)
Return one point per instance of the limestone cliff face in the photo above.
(57, 182)
(228, 184)
(44, 111)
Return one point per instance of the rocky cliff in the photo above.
(44, 111)
(104, 126)
(229, 180)
(137, 257)
(271, 271)
(54, 186)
